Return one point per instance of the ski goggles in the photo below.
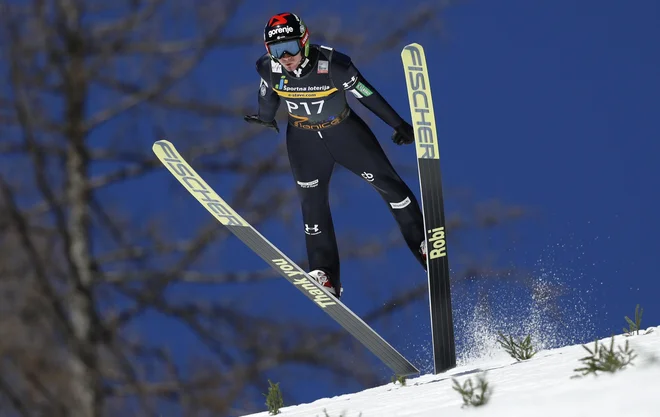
(277, 50)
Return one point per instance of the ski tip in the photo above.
(413, 45)
(160, 143)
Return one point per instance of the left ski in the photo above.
(346, 318)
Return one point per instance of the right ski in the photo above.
(208, 198)
(430, 182)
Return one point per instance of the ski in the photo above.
(207, 197)
(430, 182)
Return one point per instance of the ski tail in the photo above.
(430, 182)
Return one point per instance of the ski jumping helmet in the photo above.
(286, 32)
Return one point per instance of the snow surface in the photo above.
(539, 387)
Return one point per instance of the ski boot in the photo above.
(322, 278)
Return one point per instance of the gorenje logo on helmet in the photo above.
(280, 30)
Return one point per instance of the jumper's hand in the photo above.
(404, 134)
(253, 118)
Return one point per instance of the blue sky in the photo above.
(561, 100)
(550, 105)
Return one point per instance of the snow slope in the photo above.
(539, 387)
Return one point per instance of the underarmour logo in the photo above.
(312, 230)
(368, 176)
(350, 83)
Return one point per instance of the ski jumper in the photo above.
(323, 131)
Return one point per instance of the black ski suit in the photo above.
(323, 130)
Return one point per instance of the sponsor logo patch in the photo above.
(363, 89)
(280, 31)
